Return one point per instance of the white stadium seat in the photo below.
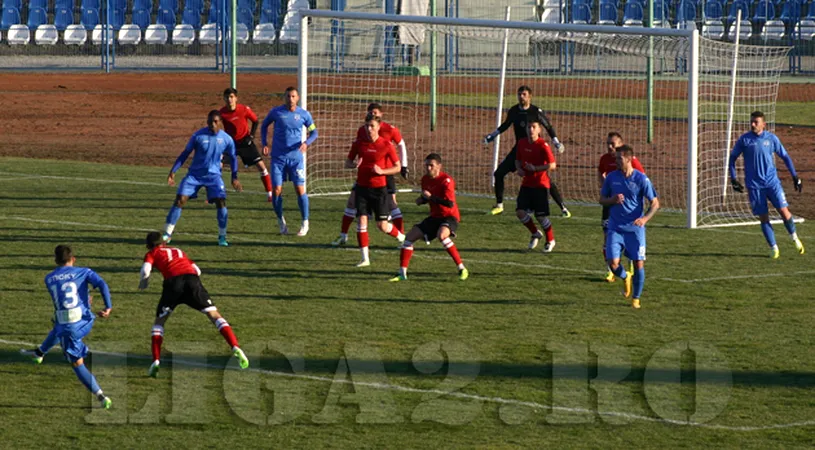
(156, 34)
(98, 34)
(208, 36)
(48, 35)
(806, 28)
(242, 34)
(745, 33)
(183, 34)
(713, 29)
(129, 34)
(264, 33)
(18, 35)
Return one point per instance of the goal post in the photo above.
(602, 87)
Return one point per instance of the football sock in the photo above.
(404, 256)
(499, 187)
(277, 204)
(620, 272)
(226, 332)
(769, 235)
(529, 224)
(87, 378)
(452, 251)
(639, 282)
(790, 226)
(546, 224)
(158, 339)
(555, 193)
(266, 180)
(223, 217)
(172, 219)
(302, 203)
(398, 221)
(362, 239)
(50, 341)
(393, 231)
(348, 219)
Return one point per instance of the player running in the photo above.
(235, 117)
(392, 134)
(516, 116)
(439, 190)
(182, 285)
(761, 177)
(624, 191)
(73, 318)
(608, 164)
(370, 155)
(209, 144)
(289, 154)
(534, 160)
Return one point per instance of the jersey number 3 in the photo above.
(69, 291)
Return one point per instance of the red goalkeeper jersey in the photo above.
(608, 164)
(442, 187)
(235, 121)
(170, 261)
(387, 131)
(371, 154)
(536, 153)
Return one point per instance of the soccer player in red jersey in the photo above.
(181, 286)
(392, 134)
(235, 117)
(370, 156)
(533, 162)
(608, 164)
(439, 190)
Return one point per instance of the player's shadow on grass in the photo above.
(708, 255)
(98, 239)
(272, 273)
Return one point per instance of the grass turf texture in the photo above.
(513, 331)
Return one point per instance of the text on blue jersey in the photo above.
(759, 165)
(209, 148)
(68, 287)
(634, 189)
(288, 129)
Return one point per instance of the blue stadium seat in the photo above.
(119, 4)
(63, 18)
(38, 4)
(811, 11)
(16, 4)
(117, 18)
(251, 5)
(791, 13)
(172, 5)
(246, 17)
(632, 14)
(146, 5)
(166, 17)
(191, 17)
(608, 13)
(685, 11)
(37, 17)
(588, 3)
(734, 9)
(141, 18)
(581, 13)
(714, 10)
(764, 11)
(11, 16)
(90, 18)
(195, 5)
(213, 12)
(269, 16)
(91, 4)
(661, 10)
(64, 4)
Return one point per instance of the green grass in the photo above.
(514, 336)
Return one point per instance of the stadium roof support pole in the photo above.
(650, 76)
(433, 70)
(499, 112)
(693, 127)
(731, 105)
(233, 35)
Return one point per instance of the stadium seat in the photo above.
(773, 30)
(660, 13)
(129, 34)
(156, 34)
(195, 5)
(608, 14)
(146, 5)
(172, 5)
(166, 17)
(745, 33)
(269, 16)
(246, 18)
(184, 34)
(32, 4)
(191, 17)
(764, 11)
(209, 34)
(714, 10)
(47, 34)
(811, 11)
(97, 34)
(141, 18)
(290, 32)
(37, 17)
(64, 4)
(63, 18)
(74, 35)
(632, 14)
(90, 4)
(251, 5)
(16, 4)
(11, 16)
(18, 35)
(734, 9)
(90, 18)
(791, 12)
(805, 29)
(685, 11)
(121, 5)
(264, 33)
(117, 18)
(581, 14)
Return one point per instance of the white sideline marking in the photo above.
(461, 395)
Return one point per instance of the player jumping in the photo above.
(235, 117)
(439, 190)
(182, 285)
(534, 160)
(761, 177)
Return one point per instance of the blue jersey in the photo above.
(209, 149)
(288, 129)
(759, 165)
(69, 291)
(635, 189)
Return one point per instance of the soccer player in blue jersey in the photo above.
(625, 191)
(73, 318)
(288, 153)
(758, 147)
(209, 144)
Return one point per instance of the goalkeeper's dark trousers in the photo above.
(508, 166)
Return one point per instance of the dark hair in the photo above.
(292, 88)
(374, 106)
(213, 114)
(756, 115)
(63, 254)
(524, 88)
(372, 117)
(626, 150)
(228, 91)
(153, 239)
(614, 134)
(433, 157)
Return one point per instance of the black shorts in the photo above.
(430, 226)
(184, 290)
(373, 201)
(249, 153)
(391, 184)
(606, 214)
(508, 164)
(534, 199)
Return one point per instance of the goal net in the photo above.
(590, 80)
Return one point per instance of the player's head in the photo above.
(375, 108)
(153, 240)
(524, 95)
(63, 255)
(613, 141)
(231, 98)
(291, 96)
(534, 125)
(214, 121)
(432, 165)
(624, 156)
(372, 124)
(757, 122)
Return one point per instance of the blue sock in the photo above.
(790, 226)
(639, 282)
(302, 202)
(277, 203)
(620, 271)
(50, 341)
(87, 378)
(223, 216)
(767, 229)
(173, 215)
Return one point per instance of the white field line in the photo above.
(461, 395)
(416, 255)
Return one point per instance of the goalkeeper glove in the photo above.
(736, 185)
(560, 147)
(490, 137)
(797, 184)
(404, 172)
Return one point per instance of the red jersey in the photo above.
(235, 121)
(372, 153)
(536, 153)
(608, 164)
(442, 187)
(387, 131)
(172, 262)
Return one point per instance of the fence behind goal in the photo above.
(590, 81)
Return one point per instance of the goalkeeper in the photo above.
(516, 116)
(758, 147)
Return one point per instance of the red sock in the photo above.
(226, 332)
(452, 250)
(404, 257)
(393, 231)
(267, 181)
(346, 223)
(362, 238)
(530, 224)
(158, 339)
(550, 234)
(399, 223)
